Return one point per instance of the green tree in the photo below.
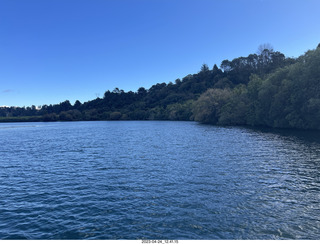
(115, 115)
(77, 104)
(235, 111)
(204, 68)
(207, 108)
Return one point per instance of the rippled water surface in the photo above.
(157, 180)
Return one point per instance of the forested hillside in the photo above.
(288, 97)
(265, 89)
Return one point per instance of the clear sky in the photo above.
(54, 50)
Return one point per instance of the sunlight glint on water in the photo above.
(157, 180)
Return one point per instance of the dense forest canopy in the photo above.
(265, 89)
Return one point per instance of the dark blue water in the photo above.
(157, 180)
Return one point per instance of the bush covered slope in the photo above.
(265, 89)
(289, 97)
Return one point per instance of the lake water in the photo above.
(157, 180)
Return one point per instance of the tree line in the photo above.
(288, 97)
(264, 89)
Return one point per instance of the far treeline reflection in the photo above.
(262, 89)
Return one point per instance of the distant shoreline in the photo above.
(264, 89)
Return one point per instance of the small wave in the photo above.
(18, 126)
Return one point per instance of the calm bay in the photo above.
(157, 180)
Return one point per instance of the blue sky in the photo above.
(54, 50)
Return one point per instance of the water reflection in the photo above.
(304, 136)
